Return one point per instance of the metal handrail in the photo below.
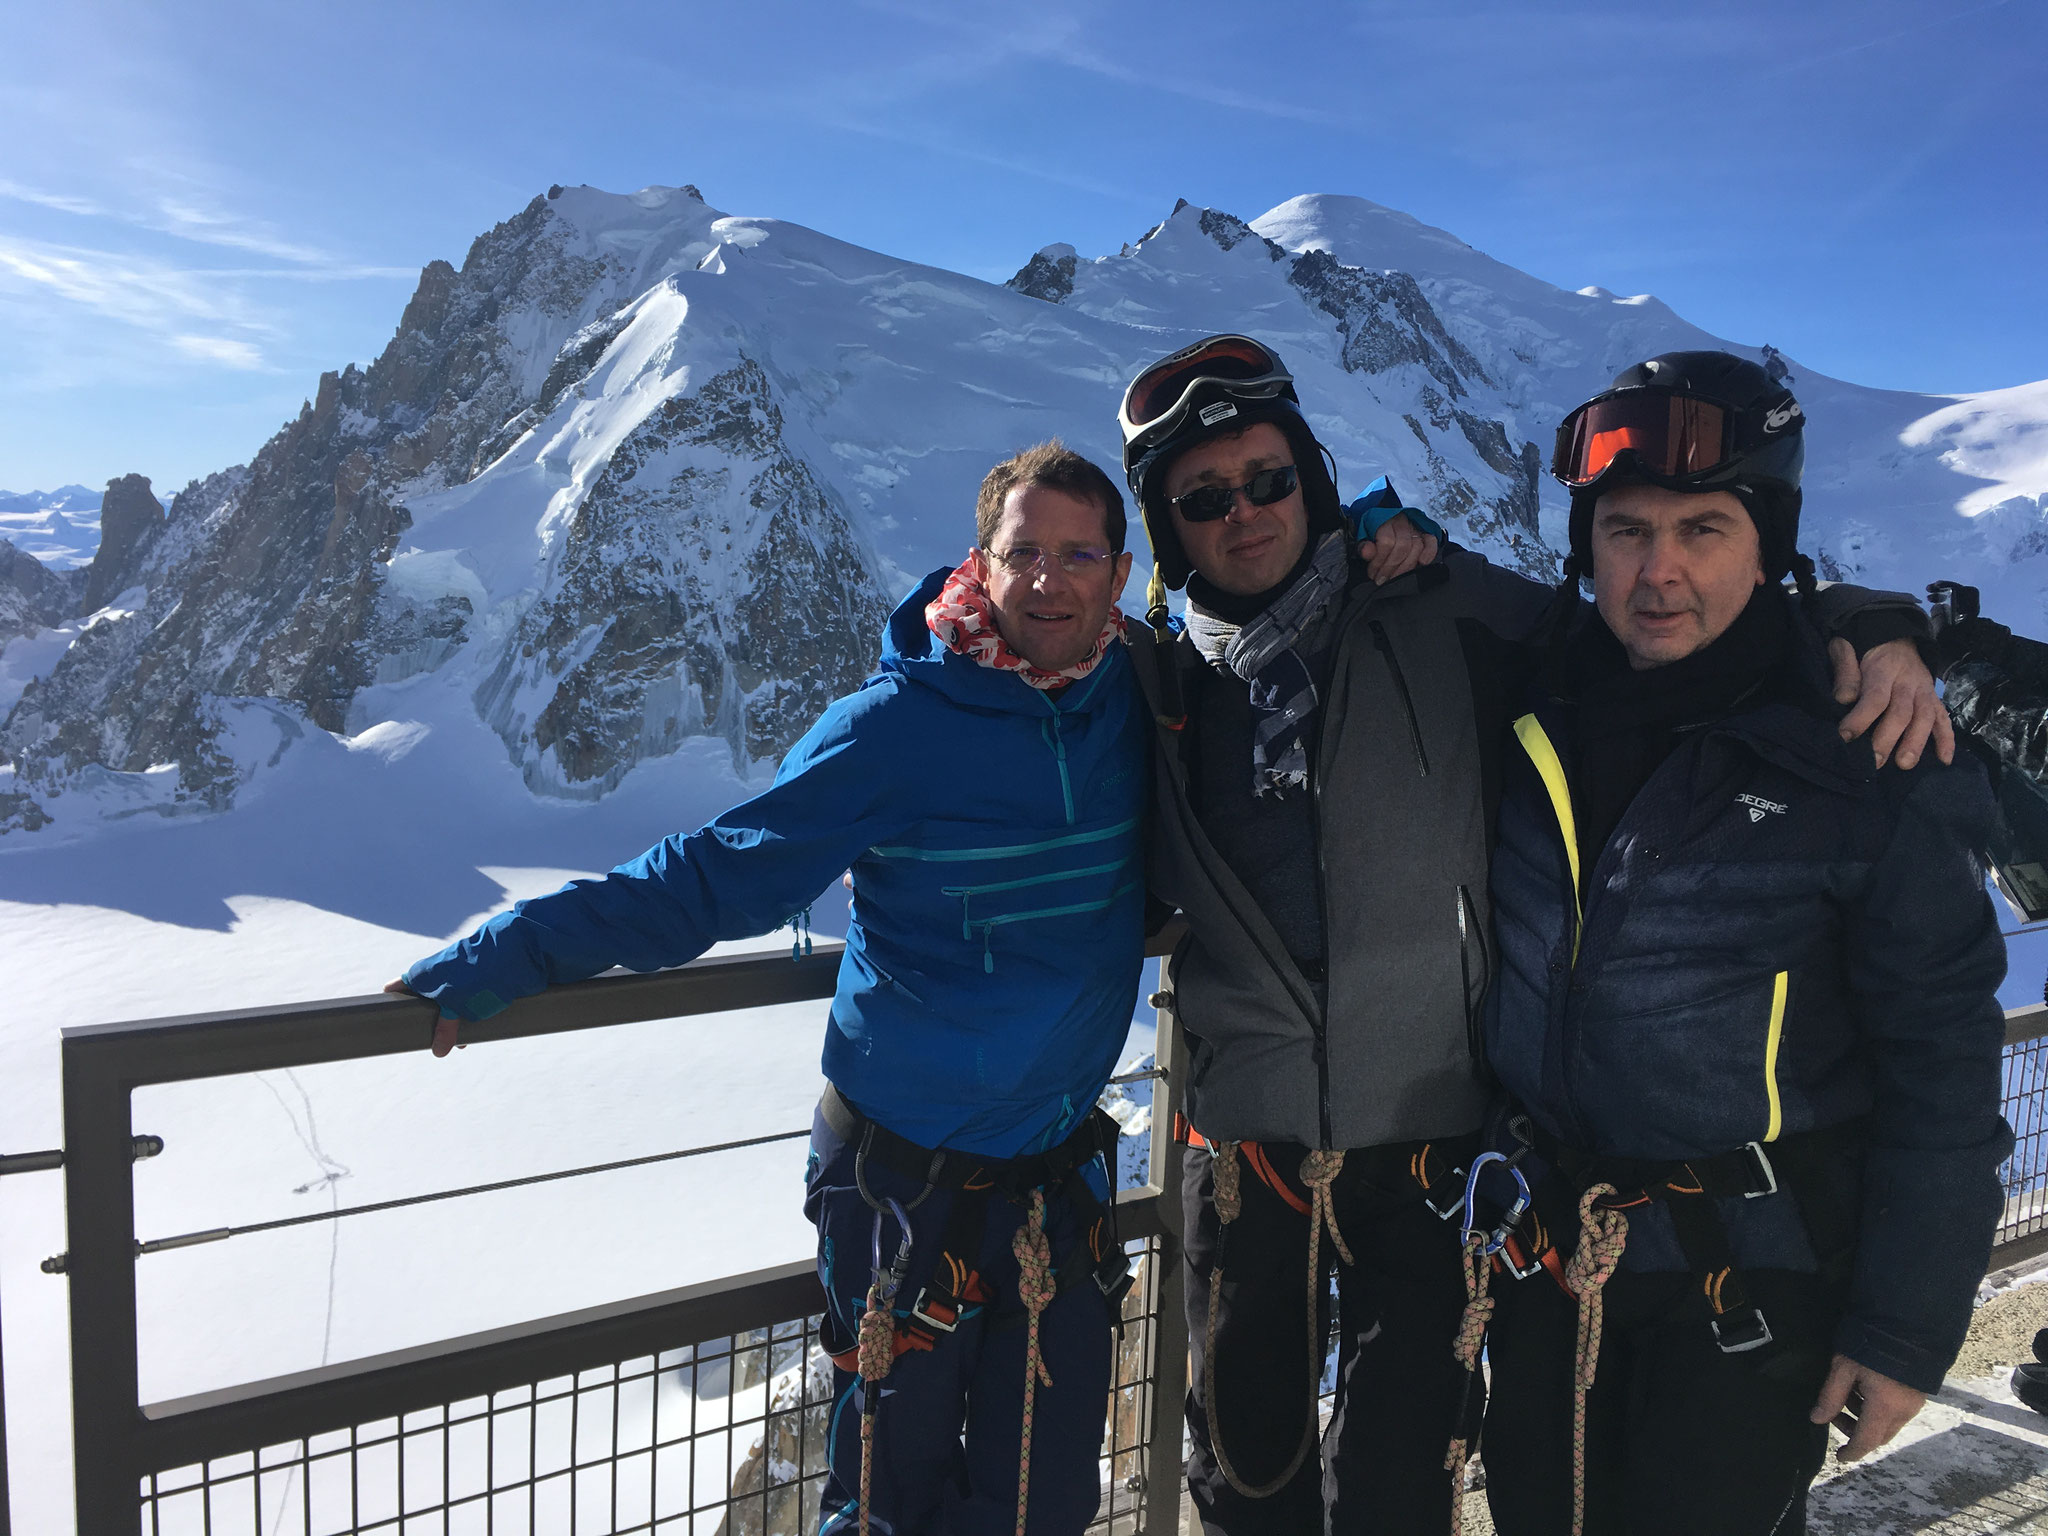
(118, 1439)
(2026, 1023)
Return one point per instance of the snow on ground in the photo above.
(339, 869)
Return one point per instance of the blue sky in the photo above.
(203, 206)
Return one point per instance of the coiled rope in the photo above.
(1319, 1170)
(1036, 1288)
(1471, 1337)
(1603, 1234)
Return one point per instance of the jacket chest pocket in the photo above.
(995, 885)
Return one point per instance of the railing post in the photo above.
(99, 1217)
(1164, 1471)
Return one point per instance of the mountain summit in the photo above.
(641, 471)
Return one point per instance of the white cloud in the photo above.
(219, 349)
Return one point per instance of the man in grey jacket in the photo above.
(1329, 751)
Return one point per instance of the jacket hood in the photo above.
(911, 651)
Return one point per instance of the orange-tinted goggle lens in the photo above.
(1671, 435)
(1153, 394)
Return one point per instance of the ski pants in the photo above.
(1680, 1438)
(1398, 1386)
(949, 1426)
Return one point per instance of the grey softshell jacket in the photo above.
(1407, 749)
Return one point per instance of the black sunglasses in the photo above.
(1205, 504)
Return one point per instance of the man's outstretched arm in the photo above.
(745, 872)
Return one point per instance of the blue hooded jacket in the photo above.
(998, 893)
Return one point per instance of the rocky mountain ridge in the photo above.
(639, 471)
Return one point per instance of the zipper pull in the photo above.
(988, 959)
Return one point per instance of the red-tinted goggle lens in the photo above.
(1671, 435)
(1153, 394)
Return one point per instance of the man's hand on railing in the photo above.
(444, 1027)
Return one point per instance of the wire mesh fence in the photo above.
(722, 1438)
(2026, 1109)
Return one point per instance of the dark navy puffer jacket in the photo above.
(1776, 937)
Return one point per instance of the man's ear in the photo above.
(977, 564)
(1123, 574)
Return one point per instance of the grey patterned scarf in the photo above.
(1262, 652)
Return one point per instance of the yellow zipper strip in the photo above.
(1530, 733)
(1779, 988)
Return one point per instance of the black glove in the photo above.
(1960, 634)
(1948, 602)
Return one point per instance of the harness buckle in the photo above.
(919, 1312)
(1743, 1333)
(1518, 1268)
(1760, 1165)
(1456, 1207)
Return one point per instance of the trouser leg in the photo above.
(1400, 1387)
(1064, 1483)
(927, 1478)
(1264, 1376)
(1682, 1438)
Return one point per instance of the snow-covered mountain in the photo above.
(61, 528)
(641, 471)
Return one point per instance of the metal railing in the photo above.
(2023, 1231)
(699, 1409)
(601, 1420)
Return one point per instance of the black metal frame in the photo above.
(119, 1441)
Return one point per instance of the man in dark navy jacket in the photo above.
(1747, 1008)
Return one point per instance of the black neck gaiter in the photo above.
(1629, 721)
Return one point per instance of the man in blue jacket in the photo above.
(1747, 1008)
(985, 789)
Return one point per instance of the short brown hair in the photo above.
(1057, 467)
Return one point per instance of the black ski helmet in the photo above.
(1218, 387)
(1757, 457)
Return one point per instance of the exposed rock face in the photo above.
(1049, 275)
(707, 584)
(32, 596)
(703, 581)
(1229, 231)
(131, 520)
(1385, 321)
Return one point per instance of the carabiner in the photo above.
(1496, 1239)
(891, 1278)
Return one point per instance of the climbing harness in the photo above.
(1690, 1190)
(1319, 1170)
(1443, 1186)
(955, 1288)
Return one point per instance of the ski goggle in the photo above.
(1207, 503)
(1673, 437)
(1157, 403)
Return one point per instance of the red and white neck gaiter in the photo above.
(965, 621)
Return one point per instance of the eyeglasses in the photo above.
(1023, 559)
(1158, 400)
(1207, 503)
